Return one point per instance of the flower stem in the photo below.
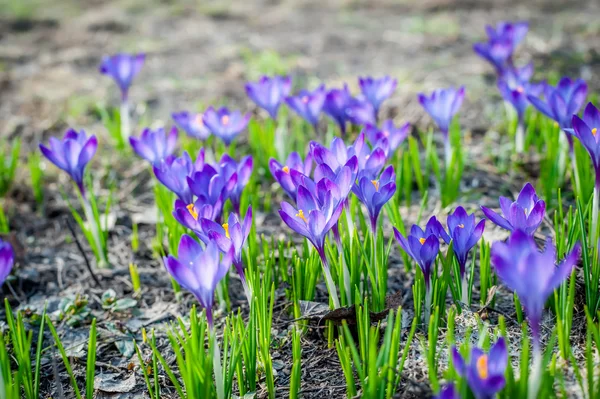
(345, 271)
(125, 123)
(465, 289)
(89, 215)
(218, 371)
(577, 182)
(239, 267)
(536, 372)
(427, 310)
(329, 280)
(448, 151)
(595, 205)
(520, 137)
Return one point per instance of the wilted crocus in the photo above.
(465, 233)
(154, 145)
(192, 124)
(122, 68)
(232, 234)
(282, 173)
(336, 104)
(224, 124)
(7, 260)
(394, 136)
(376, 91)
(190, 216)
(308, 104)
(442, 105)
(526, 213)
(360, 112)
(212, 187)
(586, 130)
(533, 276)
(313, 217)
(268, 93)
(502, 41)
(448, 392)
(484, 372)
(173, 172)
(374, 192)
(72, 154)
(243, 169)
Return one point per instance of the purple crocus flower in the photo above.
(516, 91)
(562, 102)
(465, 233)
(224, 124)
(394, 136)
(502, 41)
(243, 169)
(423, 245)
(336, 104)
(374, 193)
(376, 91)
(154, 145)
(190, 215)
(338, 155)
(525, 214)
(313, 217)
(232, 234)
(199, 270)
(442, 105)
(7, 260)
(212, 187)
(484, 372)
(308, 104)
(282, 173)
(531, 274)
(360, 112)
(344, 177)
(448, 392)
(515, 32)
(268, 93)
(192, 124)
(72, 154)
(173, 172)
(122, 68)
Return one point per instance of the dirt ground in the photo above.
(201, 52)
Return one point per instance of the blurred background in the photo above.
(201, 52)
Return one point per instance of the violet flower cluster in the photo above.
(7, 260)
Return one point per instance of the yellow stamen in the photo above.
(594, 131)
(462, 226)
(300, 214)
(520, 89)
(226, 227)
(192, 210)
(422, 241)
(225, 119)
(286, 169)
(376, 184)
(305, 99)
(482, 366)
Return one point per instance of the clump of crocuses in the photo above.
(155, 145)
(123, 68)
(269, 92)
(484, 372)
(525, 214)
(192, 124)
(72, 154)
(533, 276)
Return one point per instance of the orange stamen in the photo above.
(462, 226)
(376, 184)
(594, 131)
(286, 169)
(422, 241)
(300, 214)
(225, 119)
(226, 227)
(192, 210)
(482, 366)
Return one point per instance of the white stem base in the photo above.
(89, 215)
(536, 374)
(465, 290)
(125, 123)
(331, 287)
(427, 310)
(520, 139)
(595, 205)
(218, 371)
(575, 173)
(448, 152)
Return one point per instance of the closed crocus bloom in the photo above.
(502, 41)
(448, 392)
(232, 234)
(72, 154)
(484, 372)
(465, 233)
(199, 270)
(243, 169)
(515, 32)
(336, 104)
(308, 104)
(173, 172)
(212, 187)
(190, 216)
(442, 105)
(225, 124)
(563, 101)
(154, 145)
(269, 92)
(192, 124)
(376, 91)
(7, 260)
(395, 136)
(526, 213)
(282, 172)
(516, 92)
(375, 191)
(360, 112)
(344, 177)
(122, 68)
